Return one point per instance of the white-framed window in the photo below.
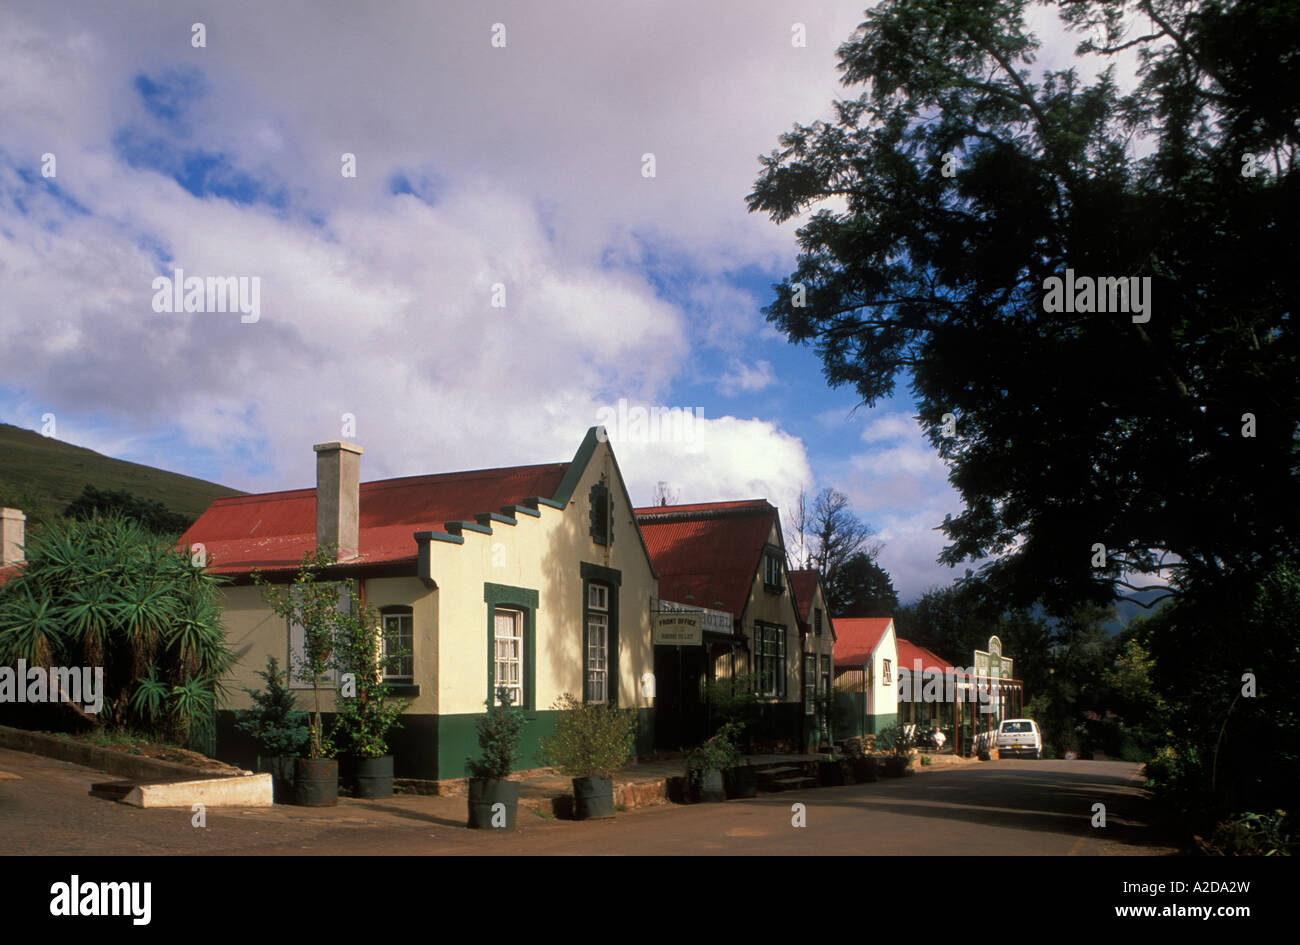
(508, 638)
(597, 643)
(398, 651)
(884, 672)
(771, 570)
(809, 683)
(769, 659)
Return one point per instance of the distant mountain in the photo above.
(1128, 607)
(41, 475)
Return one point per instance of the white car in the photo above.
(1019, 737)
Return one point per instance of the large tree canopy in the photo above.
(961, 178)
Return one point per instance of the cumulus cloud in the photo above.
(741, 377)
(478, 169)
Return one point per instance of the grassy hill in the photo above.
(41, 475)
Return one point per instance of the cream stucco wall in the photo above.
(883, 699)
(543, 554)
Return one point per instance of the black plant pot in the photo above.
(679, 789)
(707, 788)
(831, 773)
(316, 782)
(895, 767)
(485, 794)
(740, 781)
(280, 768)
(864, 770)
(593, 798)
(374, 777)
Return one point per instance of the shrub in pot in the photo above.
(705, 764)
(830, 772)
(278, 727)
(740, 781)
(898, 743)
(590, 743)
(366, 709)
(493, 800)
(734, 700)
(312, 604)
(861, 764)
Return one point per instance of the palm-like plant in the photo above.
(106, 591)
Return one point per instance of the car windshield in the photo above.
(1017, 727)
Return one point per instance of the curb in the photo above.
(250, 791)
(135, 767)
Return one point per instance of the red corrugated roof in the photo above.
(273, 530)
(709, 551)
(909, 653)
(856, 638)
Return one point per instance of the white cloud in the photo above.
(746, 378)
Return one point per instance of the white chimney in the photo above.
(13, 530)
(338, 497)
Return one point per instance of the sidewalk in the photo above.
(640, 784)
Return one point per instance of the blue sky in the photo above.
(477, 166)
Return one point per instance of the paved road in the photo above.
(1000, 807)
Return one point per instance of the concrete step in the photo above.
(793, 783)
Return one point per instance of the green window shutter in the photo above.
(601, 514)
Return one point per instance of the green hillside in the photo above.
(42, 475)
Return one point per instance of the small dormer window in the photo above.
(772, 571)
(602, 514)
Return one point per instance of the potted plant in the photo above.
(705, 764)
(498, 736)
(590, 743)
(830, 771)
(860, 763)
(313, 605)
(898, 743)
(733, 699)
(278, 727)
(366, 710)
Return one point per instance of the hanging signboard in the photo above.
(991, 664)
(679, 628)
(711, 621)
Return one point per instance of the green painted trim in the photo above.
(573, 475)
(515, 510)
(878, 723)
(458, 739)
(457, 527)
(487, 518)
(439, 536)
(536, 500)
(505, 594)
(596, 572)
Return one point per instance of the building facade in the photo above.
(532, 578)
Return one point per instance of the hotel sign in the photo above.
(706, 620)
(991, 664)
(681, 628)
